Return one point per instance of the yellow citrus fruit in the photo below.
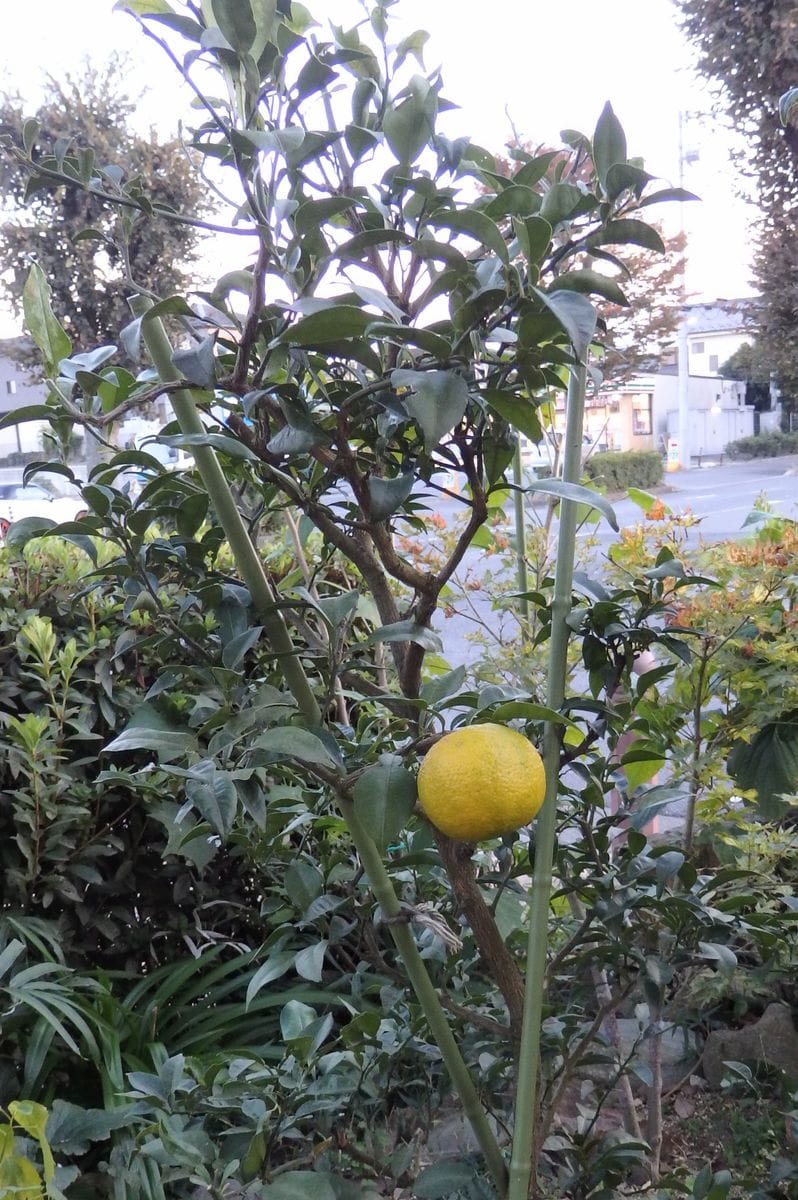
(480, 782)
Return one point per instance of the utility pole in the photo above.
(682, 354)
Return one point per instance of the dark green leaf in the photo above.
(70, 1129)
(309, 962)
(437, 401)
(217, 441)
(578, 493)
(40, 320)
(588, 282)
(386, 495)
(476, 224)
(213, 794)
(560, 202)
(609, 142)
(291, 741)
(300, 1185)
(629, 232)
(21, 532)
(407, 631)
(275, 967)
(519, 411)
(236, 22)
(328, 325)
(238, 647)
(385, 796)
(576, 315)
(679, 194)
(197, 364)
(444, 1178)
(768, 763)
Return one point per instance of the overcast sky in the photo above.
(548, 65)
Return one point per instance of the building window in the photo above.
(713, 362)
(697, 348)
(641, 415)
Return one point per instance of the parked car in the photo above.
(18, 500)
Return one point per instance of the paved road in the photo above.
(721, 496)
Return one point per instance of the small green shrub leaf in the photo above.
(385, 796)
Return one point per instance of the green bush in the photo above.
(764, 445)
(619, 470)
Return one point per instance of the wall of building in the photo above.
(709, 351)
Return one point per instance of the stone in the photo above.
(772, 1039)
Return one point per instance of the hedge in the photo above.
(619, 470)
(764, 445)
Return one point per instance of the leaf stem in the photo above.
(524, 1151)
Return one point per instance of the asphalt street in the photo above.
(719, 496)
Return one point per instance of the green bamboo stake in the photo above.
(416, 969)
(251, 568)
(241, 544)
(529, 1056)
(520, 539)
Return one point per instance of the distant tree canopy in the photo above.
(750, 47)
(88, 276)
(749, 364)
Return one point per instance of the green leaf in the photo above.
(303, 883)
(407, 631)
(41, 321)
(291, 741)
(70, 1129)
(628, 232)
(768, 763)
(238, 647)
(237, 23)
(168, 744)
(725, 958)
(22, 531)
(332, 324)
(29, 1116)
(609, 142)
(213, 794)
(474, 223)
(31, 412)
(675, 193)
(534, 237)
(217, 441)
(560, 202)
(444, 1178)
(644, 500)
(639, 770)
(295, 1018)
(299, 1185)
(578, 493)
(575, 314)
(387, 495)
(384, 797)
(409, 125)
(437, 401)
(197, 364)
(20, 1179)
(519, 411)
(588, 282)
(275, 967)
(309, 962)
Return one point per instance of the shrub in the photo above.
(619, 470)
(764, 445)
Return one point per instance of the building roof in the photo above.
(721, 316)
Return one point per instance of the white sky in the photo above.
(550, 65)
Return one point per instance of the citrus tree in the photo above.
(400, 312)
